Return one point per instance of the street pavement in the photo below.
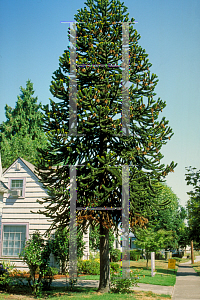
(187, 285)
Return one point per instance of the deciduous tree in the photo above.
(170, 217)
(193, 205)
(152, 240)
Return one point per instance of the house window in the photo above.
(13, 238)
(16, 187)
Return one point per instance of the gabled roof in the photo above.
(31, 167)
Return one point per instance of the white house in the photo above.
(19, 189)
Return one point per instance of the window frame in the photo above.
(23, 188)
(2, 230)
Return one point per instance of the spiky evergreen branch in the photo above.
(99, 96)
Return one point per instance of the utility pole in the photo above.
(192, 253)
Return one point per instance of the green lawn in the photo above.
(196, 266)
(163, 276)
(85, 293)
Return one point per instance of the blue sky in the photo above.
(32, 39)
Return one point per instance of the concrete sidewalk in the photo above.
(187, 285)
(156, 289)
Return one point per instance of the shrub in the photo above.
(54, 271)
(36, 254)
(114, 267)
(4, 268)
(134, 255)
(122, 285)
(91, 267)
(115, 255)
(159, 256)
(179, 254)
(10, 277)
(17, 278)
(60, 246)
(6, 281)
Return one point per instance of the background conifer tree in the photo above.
(99, 106)
(21, 134)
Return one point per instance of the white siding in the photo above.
(18, 210)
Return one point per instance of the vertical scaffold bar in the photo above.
(72, 83)
(125, 222)
(125, 80)
(72, 225)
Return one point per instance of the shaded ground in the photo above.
(64, 296)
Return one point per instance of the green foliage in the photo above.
(36, 255)
(104, 141)
(89, 267)
(54, 271)
(115, 255)
(98, 107)
(152, 240)
(114, 267)
(193, 205)
(21, 134)
(135, 255)
(170, 217)
(6, 281)
(60, 246)
(122, 285)
(177, 256)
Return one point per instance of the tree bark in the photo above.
(104, 260)
(147, 260)
(192, 253)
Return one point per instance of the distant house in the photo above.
(118, 242)
(19, 189)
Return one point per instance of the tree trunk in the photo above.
(192, 253)
(104, 260)
(63, 267)
(147, 259)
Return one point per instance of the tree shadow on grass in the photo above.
(64, 290)
(166, 271)
(53, 291)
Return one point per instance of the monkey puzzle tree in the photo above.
(104, 148)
